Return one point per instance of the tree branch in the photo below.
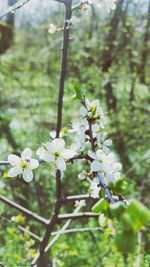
(65, 44)
(64, 52)
(77, 215)
(14, 7)
(76, 197)
(75, 230)
(25, 211)
(21, 228)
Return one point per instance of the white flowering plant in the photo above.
(91, 145)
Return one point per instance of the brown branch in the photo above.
(14, 8)
(77, 215)
(65, 44)
(57, 235)
(4, 162)
(76, 197)
(25, 211)
(75, 230)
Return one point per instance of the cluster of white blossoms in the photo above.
(95, 152)
(101, 160)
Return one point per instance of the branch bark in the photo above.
(54, 219)
(25, 211)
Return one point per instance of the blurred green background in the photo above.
(109, 57)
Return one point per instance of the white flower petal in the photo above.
(49, 147)
(92, 155)
(95, 103)
(68, 153)
(95, 166)
(52, 134)
(100, 154)
(40, 152)
(48, 157)
(15, 171)
(14, 160)
(34, 164)
(60, 163)
(27, 175)
(58, 144)
(27, 153)
(108, 142)
(117, 167)
(83, 111)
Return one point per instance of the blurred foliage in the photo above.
(28, 96)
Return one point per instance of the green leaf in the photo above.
(126, 241)
(139, 214)
(101, 205)
(78, 92)
(120, 187)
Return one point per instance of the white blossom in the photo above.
(94, 106)
(53, 134)
(80, 203)
(106, 164)
(55, 152)
(104, 143)
(52, 28)
(94, 188)
(23, 165)
(114, 172)
(79, 128)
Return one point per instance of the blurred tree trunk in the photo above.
(107, 55)
(6, 30)
(145, 48)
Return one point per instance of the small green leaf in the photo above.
(101, 205)
(119, 187)
(78, 92)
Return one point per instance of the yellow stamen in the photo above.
(57, 154)
(24, 164)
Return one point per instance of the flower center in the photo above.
(57, 154)
(24, 164)
(91, 108)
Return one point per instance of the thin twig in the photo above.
(25, 211)
(21, 228)
(14, 7)
(75, 230)
(80, 5)
(64, 52)
(63, 67)
(77, 215)
(76, 197)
